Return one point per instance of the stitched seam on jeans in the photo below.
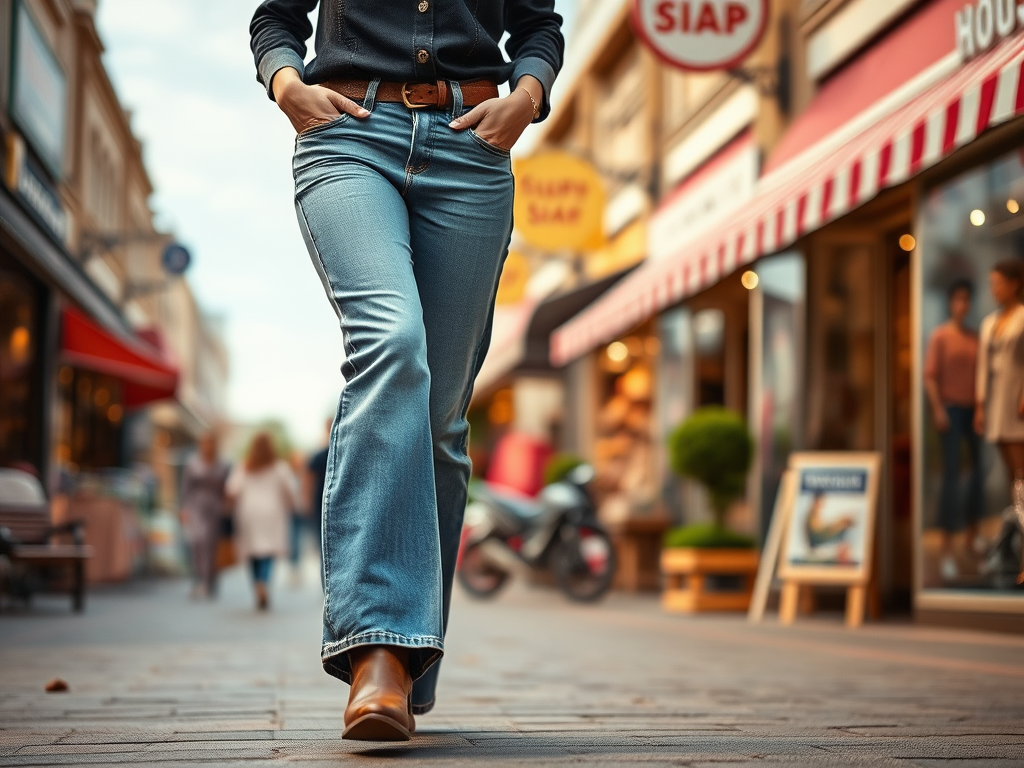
(420, 641)
(412, 149)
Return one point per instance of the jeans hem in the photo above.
(424, 651)
(422, 709)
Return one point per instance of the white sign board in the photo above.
(983, 23)
(701, 35)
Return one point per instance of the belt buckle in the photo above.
(405, 98)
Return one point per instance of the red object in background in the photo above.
(146, 373)
(518, 463)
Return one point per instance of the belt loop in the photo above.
(371, 95)
(456, 98)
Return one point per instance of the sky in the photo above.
(219, 154)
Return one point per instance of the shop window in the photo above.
(624, 451)
(674, 395)
(841, 349)
(90, 420)
(709, 348)
(781, 295)
(20, 370)
(967, 227)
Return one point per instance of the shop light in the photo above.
(977, 217)
(20, 345)
(1012, 206)
(749, 279)
(114, 413)
(908, 243)
(617, 351)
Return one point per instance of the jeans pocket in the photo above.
(321, 127)
(488, 146)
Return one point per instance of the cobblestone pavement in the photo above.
(529, 680)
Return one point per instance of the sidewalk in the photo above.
(529, 680)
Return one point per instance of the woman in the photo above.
(264, 492)
(999, 411)
(202, 507)
(950, 366)
(403, 192)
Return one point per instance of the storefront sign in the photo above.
(30, 185)
(38, 92)
(983, 23)
(701, 35)
(559, 202)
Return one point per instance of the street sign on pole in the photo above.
(701, 35)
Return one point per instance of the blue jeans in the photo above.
(956, 510)
(261, 568)
(408, 223)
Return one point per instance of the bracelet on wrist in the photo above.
(533, 101)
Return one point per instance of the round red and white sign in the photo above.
(701, 35)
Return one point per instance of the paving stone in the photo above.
(529, 679)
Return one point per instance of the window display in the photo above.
(972, 344)
(20, 370)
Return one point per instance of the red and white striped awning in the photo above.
(816, 187)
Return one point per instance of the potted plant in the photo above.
(714, 448)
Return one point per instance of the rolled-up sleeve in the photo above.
(278, 34)
(535, 44)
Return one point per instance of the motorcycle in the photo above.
(506, 534)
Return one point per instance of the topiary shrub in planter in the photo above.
(714, 448)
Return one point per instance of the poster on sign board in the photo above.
(831, 523)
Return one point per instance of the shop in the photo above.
(878, 199)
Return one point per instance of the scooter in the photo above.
(505, 534)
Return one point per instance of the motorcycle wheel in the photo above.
(477, 576)
(584, 564)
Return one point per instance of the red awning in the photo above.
(828, 180)
(146, 374)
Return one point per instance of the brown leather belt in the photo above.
(417, 95)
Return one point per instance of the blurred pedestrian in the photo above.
(202, 507)
(264, 492)
(999, 412)
(403, 192)
(949, 381)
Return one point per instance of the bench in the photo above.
(33, 545)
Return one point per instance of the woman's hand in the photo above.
(308, 106)
(502, 121)
(941, 419)
(979, 419)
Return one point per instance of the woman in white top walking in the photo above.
(265, 492)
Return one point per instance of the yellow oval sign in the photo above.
(559, 202)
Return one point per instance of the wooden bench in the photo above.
(32, 544)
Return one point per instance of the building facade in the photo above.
(805, 217)
(106, 360)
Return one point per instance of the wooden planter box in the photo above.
(685, 570)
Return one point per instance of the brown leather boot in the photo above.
(378, 703)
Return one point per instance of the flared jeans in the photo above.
(407, 223)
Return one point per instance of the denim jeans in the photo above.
(956, 510)
(261, 567)
(408, 224)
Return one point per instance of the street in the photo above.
(529, 679)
